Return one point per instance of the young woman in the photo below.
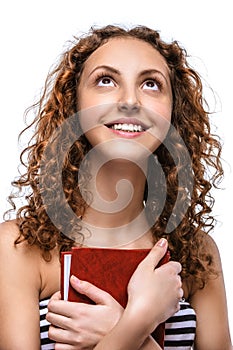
(120, 157)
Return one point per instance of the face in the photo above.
(125, 94)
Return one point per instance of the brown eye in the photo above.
(105, 81)
(151, 85)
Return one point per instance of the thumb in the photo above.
(157, 252)
(94, 293)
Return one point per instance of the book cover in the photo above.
(108, 269)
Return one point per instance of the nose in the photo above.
(128, 108)
(129, 102)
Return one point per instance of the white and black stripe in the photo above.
(179, 329)
(46, 343)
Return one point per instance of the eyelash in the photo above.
(156, 80)
(101, 76)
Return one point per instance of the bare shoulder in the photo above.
(207, 240)
(26, 260)
(25, 277)
(20, 285)
(9, 232)
(209, 247)
(210, 301)
(18, 259)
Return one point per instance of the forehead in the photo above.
(124, 52)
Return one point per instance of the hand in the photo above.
(154, 293)
(77, 326)
(153, 296)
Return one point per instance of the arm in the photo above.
(147, 287)
(19, 276)
(84, 326)
(211, 308)
(81, 325)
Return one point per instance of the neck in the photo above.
(117, 202)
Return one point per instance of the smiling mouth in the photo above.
(130, 128)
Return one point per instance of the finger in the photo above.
(60, 346)
(157, 253)
(57, 320)
(181, 294)
(56, 296)
(175, 266)
(61, 307)
(96, 294)
(177, 308)
(58, 335)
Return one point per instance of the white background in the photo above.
(33, 34)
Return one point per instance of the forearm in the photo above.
(150, 344)
(130, 333)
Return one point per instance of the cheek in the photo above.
(160, 117)
(84, 98)
(99, 135)
(93, 136)
(162, 108)
(87, 99)
(84, 101)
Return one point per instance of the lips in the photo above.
(127, 125)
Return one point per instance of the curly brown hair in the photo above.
(190, 120)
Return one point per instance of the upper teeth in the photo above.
(127, 127)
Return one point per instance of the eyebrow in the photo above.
(110, 68)
(116, 71)
(153, 71)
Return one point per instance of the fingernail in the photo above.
(75, 279)
(162, 242)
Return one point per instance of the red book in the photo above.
(106, 268)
